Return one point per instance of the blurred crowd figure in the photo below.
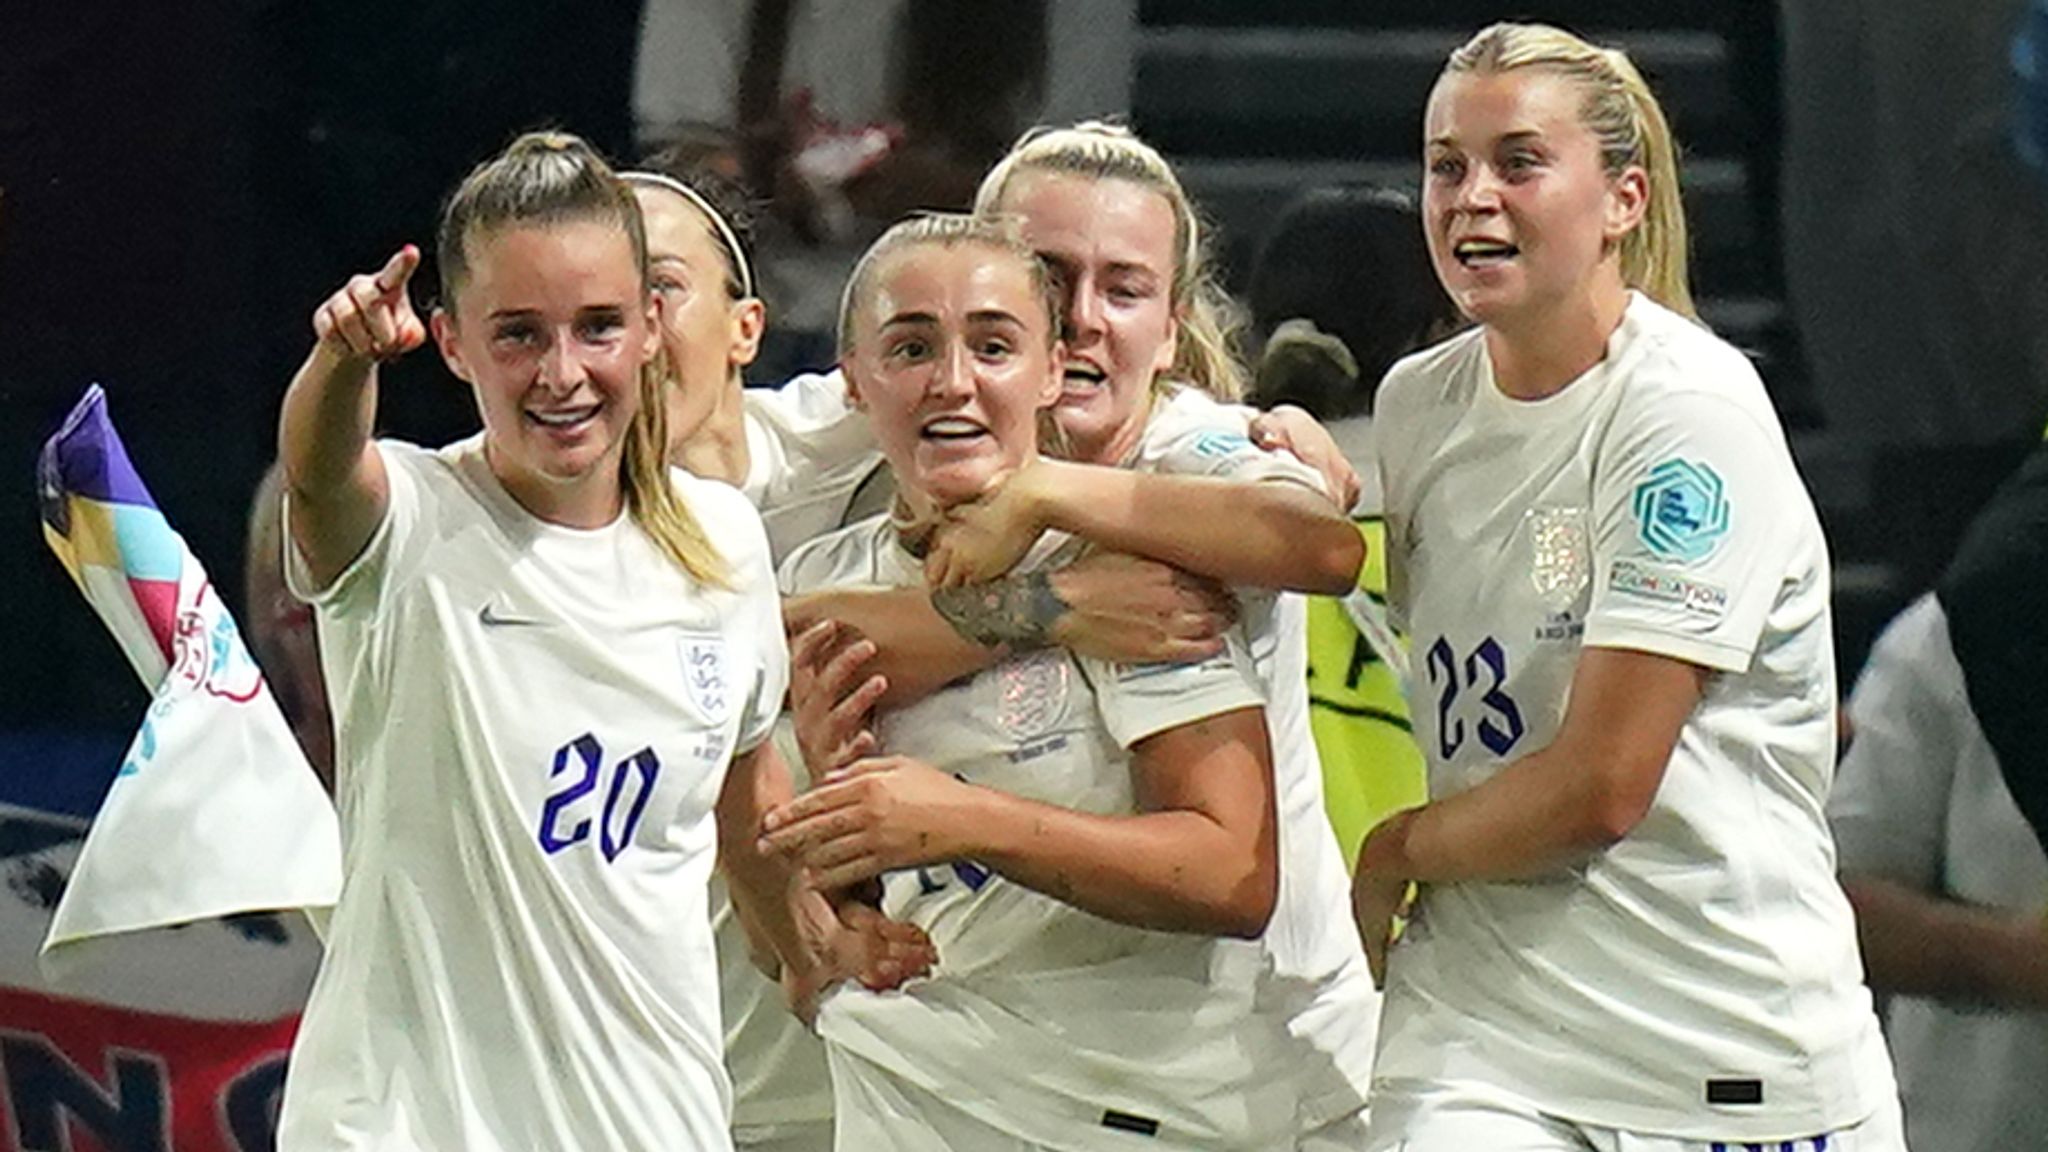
(1914, 233)
(1937, 810)
(1342, 287)
(844, 115)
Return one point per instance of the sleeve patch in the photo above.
(1681, 511)
(1217, 445)
(1663, 586)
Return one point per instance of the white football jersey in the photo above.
(1321, 981)
(534, 724)
(1700, 978)
(1054, 1025)
(1921, 802)
(813, 467)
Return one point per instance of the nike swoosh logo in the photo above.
(490, 617)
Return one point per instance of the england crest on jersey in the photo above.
(706, 677)
(1560, 554)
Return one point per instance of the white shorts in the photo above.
(1440, 1117)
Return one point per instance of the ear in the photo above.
(1169, 350)
(1055, 376)
(851, 374)
(451, 348)
(1628, 200)
(749, 321)
(651, 342)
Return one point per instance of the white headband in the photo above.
(726, 235)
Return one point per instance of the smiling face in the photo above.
(708, 336)
(550, 330)
(952, 360)
(1112, 244)
(1523, 220)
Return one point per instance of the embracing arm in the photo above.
(334, 474)
(1200, 856)
(1105, 605)
(1589, 788)
(1917, 943)
(1273, 534)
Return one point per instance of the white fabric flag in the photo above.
(215, 810)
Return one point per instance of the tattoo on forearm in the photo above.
(1016, 610)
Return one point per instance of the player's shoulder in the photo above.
(728, 519)
(1671, 356)
(1428, 376)
(806, 403)
(1185, 414)
(849, 555)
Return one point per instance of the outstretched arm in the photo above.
(1262, 534)
(334, 475)
(1201, 855)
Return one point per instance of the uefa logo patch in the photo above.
(1681, 512)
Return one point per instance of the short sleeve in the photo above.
(392, 551)
(1889, 805)
(1696, 516)
(1141, 700)
(1196, 436)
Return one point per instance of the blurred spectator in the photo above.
(847, 114)
(1341, 289)
(1995, 593)
(1913, 236)
(280, 631)
(1950, 886)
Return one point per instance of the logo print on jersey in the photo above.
(1681, 513)
(1560, 554)
(1031, 694)
(704, 676)
(1217, 445)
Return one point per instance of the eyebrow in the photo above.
(994, 316)
(1516, 137)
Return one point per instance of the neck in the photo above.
(717, 449)
(1539, 356)
(1112, 450)
(593, 500)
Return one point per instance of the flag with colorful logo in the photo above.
(214, 810)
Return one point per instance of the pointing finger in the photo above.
(397, 270)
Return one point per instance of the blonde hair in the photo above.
(1210, 322)
(1623, 115)
(548, 178)
(943, 230)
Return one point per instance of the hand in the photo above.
(980, 541)
(1289, 429)
(884, 954)
(1376, 902)
(877, 816)
(1379, 897)
(831, 706)
(371, 317)
(1134, 611)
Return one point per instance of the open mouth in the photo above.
(1081, 374)
(1484, 253)
(565, 419)
(952, 429)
